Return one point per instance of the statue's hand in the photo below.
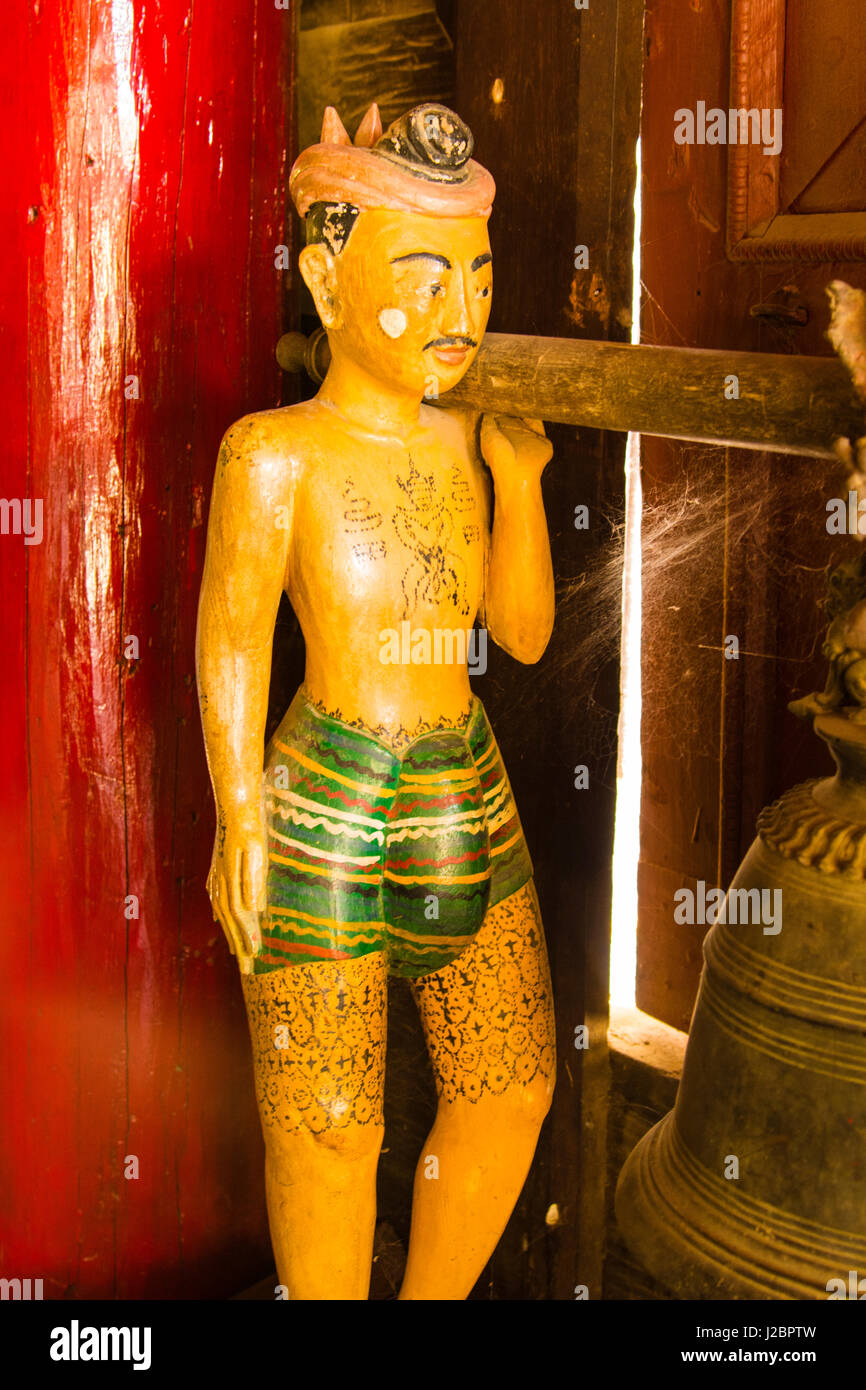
(236, 885)
(514, 449)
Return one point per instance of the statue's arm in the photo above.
(249, 533)
(518, 590)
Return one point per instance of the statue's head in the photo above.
(397, 256)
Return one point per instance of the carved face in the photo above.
(408, 298)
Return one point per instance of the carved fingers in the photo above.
(512, 446)
(237, 890)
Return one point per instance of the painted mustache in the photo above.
(450, 343)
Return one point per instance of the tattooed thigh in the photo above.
(488, 1016)
(318, 1034)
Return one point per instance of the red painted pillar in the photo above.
(147, 150)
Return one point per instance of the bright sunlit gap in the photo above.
(626, 843)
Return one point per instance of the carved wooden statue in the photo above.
(383, 837)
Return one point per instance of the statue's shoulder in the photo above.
(262, 429)
(268, 441)
(457, 426)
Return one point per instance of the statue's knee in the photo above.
(522, 1109)
(518, 1112)
(297, 1142)
(352, 1142)
(534, 1101)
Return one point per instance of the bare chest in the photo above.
(403, 533)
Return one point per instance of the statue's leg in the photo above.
(488, 1019)
(318, 1033)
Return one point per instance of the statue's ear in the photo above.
(320, 275)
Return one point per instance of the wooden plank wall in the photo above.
(352, 52)
(748, 553)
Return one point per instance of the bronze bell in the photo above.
(754, 1186)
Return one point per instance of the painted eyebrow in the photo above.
(423, 256)
(481, 260)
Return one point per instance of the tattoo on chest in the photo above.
(360, 518)
(436, 573)
(359, 514)
(461, 492)
(425, 524)
(369, 550)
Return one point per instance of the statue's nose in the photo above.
(458, 320)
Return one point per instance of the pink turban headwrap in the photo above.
(421, 164)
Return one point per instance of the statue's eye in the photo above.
(436, 289)
(485, 293)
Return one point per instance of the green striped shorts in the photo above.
(376, 850)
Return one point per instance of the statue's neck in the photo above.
(368, 403)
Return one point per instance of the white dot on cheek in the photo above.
(393, 322)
